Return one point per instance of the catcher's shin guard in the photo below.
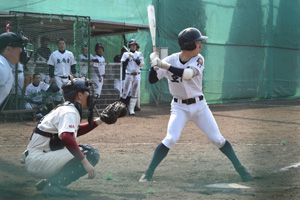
(132, 105)
(73, 170)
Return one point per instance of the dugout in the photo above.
(77, 32)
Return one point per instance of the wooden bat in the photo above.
(152, 27)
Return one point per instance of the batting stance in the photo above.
(53, 153)
(133, 62)
(184, 71)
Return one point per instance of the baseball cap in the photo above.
(11, 39)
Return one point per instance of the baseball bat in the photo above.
(152, 27)
(126, 48)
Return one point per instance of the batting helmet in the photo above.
(188, 37)
(73, 86)
(98, 45)
(132, 41)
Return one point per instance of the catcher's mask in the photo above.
(75, 85)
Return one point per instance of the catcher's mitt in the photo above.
(112, 112)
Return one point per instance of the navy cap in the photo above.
(11, 39)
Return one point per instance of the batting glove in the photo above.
(159, 63)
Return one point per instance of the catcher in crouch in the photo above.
(53, 153)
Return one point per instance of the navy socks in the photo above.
(159, 154)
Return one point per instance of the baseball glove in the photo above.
(112, 112)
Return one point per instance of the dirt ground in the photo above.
(265, 136)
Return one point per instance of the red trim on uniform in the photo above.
(71, 144)
(85, 128)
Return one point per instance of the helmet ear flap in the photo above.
(189, 46)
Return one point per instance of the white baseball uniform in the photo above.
(6, 78)
(133, 74)
(41, 162)
(196, 110)
(62, 67)
(98, 68)
(35, 94)
(83, 64)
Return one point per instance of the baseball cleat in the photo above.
(57, 191)
(244, 174)
(146, 177)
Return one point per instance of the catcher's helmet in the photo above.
(98, 45)
(132, 41)
(188, 37)
(73, 86)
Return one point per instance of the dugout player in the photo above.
(12, 51)
(61, 64)
(184, 71)
(132, 62)
(98, 68)
(53, 153)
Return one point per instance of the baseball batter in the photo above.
(184, 71)
(61, 65)
(133, 62)
(98, 69)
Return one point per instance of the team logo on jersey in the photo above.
(71, 126)
(200, 61)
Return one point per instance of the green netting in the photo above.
(252, 52)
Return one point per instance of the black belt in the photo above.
(19, 71)
(189, 101)
(63, 77)
(133, 73)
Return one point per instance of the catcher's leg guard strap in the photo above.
(73, 170)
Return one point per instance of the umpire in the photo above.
(53, 153)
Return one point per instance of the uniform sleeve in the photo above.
(73, 61)
(124, 57)
(71, 145)
(45, 87)
(68, 122)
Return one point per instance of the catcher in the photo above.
(53, 153)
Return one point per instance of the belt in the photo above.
(63, 77)
(189, 101)
(19, 71)
(133, 73)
